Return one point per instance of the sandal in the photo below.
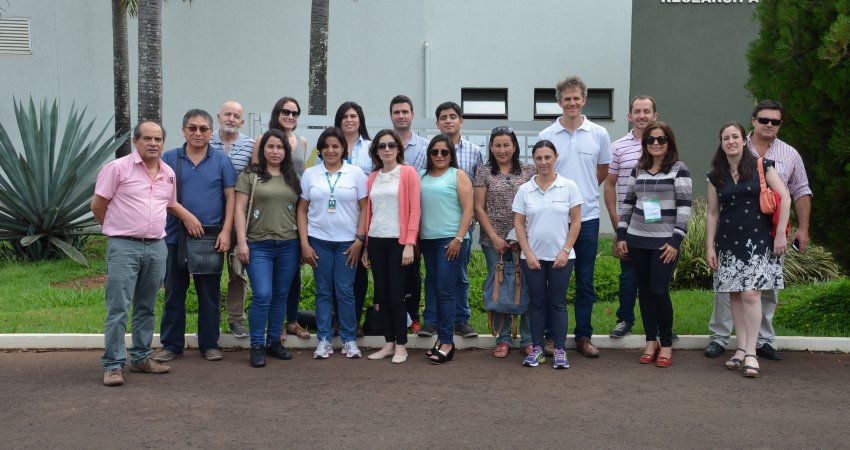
(441, 357)
(735, 363)
(296, 329)
(433, 349)
(649, 358)
(751, 371)
(502, 350)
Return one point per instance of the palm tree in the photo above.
(121, 70)
(318, 83)
(150, 60)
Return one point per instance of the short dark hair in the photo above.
(641, 97)
(197, 113)
(137, 130)
(373, 149)
(769, 104)
(401, 99)
(645, 161)
(429, 165)
(448, 105)
(332, 132)
(274, 120)
(340, 112)
(543, 143)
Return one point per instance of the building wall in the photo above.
(692, 58)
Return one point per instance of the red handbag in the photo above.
(769, 201)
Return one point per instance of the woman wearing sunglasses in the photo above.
(740, 249)
(653, 222)
(495, 186)
(392, 226)
(446, 201)
(547, 218)
(284, 117)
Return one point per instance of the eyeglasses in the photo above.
(649, 140)
(287, 112)
(441, 152)
(194, 128)
(502, 130)
(387, 145)
(765, 121)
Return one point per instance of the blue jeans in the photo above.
(334, 277)
(628, 293)
(504, 333)
(586, 247)
(461, 292)
(134, 271)
(172, 328)
(439, 291)
(271, 269)
(547, 289)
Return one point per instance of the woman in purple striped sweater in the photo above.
(653, 222)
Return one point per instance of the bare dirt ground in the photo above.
(56, 400)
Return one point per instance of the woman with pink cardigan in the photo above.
(392, 226)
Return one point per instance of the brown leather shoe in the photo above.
(113, 377)
(150, 366)
(586, 348)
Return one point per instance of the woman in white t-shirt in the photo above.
(547, 219)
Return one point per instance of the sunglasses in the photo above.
(387, 145)
(502, 130)
(287, 112)
(194, 128)
(442, 152)
(649, 140)
(765, 121)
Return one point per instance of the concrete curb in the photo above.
(697, 342)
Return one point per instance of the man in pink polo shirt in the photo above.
(130, 201)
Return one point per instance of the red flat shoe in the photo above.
(664, 362)
(646, 358)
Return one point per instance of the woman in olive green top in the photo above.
(267, 241)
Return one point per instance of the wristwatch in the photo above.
(566, 250)
(360, 237)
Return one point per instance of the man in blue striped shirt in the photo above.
(239, 148)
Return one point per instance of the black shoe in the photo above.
(464, 329)
(674, 337)
(277, 350)
(714, 350)
(622, 329)
(258, 356)
(427, 331)
(767, 351)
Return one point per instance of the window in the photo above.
(15, 36)
(598, 104)
(484, 103)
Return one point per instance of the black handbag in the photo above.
(197, 255)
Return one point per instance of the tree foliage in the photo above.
(801, 59)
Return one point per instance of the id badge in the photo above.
(651, 210)
(331, 205)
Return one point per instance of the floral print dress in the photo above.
(743, 242)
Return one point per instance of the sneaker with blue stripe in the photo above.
(534, 358)
(561, 359)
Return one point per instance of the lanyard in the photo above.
(332, 186)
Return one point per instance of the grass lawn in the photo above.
(64, 297)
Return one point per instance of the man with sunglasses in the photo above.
(584, 152)
(763, 142)
(469, 158)
(205, 187)
(238, 147)
(626, 152)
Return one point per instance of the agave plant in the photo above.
(46, 189)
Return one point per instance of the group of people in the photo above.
(386, 203)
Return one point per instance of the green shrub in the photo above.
(824, 307)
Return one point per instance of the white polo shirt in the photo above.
(340, 225)
(547, 215)
(578, 156)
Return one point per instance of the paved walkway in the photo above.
(55, 400)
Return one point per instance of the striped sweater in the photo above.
(673, 192)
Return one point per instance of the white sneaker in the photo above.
(350, 350)
(323, 350)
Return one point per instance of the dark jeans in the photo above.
(389, 278)
(585, 262)
(656, 308)
(547, 289)
(361, 285)
(628, 293)
(172, 328)
(413, 288)
(440, 285)
(293, 300)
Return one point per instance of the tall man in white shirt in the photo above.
(584, 152)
